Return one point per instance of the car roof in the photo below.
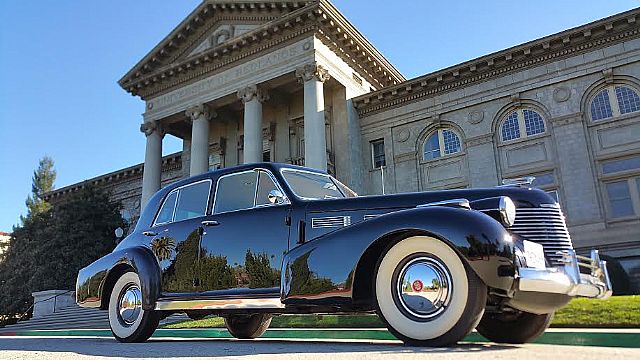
(274, 167)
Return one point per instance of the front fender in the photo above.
(92, 279)
(322, 271)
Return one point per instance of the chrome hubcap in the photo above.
(424, 287)
(130, 305)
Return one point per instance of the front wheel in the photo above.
(129, 322)
(247, 326)
(425, 293)
(513, 328)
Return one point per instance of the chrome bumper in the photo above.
(568, 279)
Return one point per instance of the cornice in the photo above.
(289, 20)
(169, 163)
(598, 34)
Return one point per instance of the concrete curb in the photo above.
(628, 338)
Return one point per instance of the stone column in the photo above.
(252, 97)
(199, 116)
(152, 172)
(313, 77)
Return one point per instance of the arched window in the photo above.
(440, 143)
(522, 121)
(614, 101)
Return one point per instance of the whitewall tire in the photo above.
(425, 293)
(129, 322)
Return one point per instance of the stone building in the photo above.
(245, 81)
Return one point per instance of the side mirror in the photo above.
(276, 196)
(119, 232)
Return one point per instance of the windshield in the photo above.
(309, 185)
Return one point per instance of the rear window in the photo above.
(184, 203)
(192, 201)
(166, 212)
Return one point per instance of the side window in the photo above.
(235, 192)
(166, 212)
(265, 185)
(192, 201)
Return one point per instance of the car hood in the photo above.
(522, 197)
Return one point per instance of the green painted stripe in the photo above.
(612, 339)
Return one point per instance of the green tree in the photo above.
(49, 248)
(42, 182)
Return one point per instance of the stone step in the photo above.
(76, 318)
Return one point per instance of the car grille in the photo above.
(545, 226)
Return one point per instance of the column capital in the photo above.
(196, 111)
(312, 71)
(250, 92)
(149, 127)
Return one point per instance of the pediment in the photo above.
(219, 35)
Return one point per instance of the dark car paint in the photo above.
(323, 270)
(92, 279)
(331, 254)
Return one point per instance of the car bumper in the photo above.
(568, 279)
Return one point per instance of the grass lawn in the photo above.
(618, 311)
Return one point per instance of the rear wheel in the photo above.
(129, 322)
(247, 326)
(425, 293)
(513, 328)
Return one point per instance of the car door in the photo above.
(176, 236)
(246, 235)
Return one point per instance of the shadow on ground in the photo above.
(169, 348)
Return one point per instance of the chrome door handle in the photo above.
(207, 223)
(149, 233)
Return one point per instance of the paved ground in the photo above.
(105, 348)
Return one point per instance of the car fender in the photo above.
(93, 279)
(323, 270)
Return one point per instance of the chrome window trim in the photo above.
(255, 192)
(173, 213)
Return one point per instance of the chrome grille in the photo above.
(329, 222)
(546, 226)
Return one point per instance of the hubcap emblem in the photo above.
(424, 287)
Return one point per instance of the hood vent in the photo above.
(331, 222)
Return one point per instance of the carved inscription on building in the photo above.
(227, 78)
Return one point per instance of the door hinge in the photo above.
(287, 220)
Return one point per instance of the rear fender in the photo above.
(94, 281)
(324, 270)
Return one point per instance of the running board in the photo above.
(220, 304)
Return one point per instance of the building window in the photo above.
(523, 121)
(614, 101)
(377, 154)
(623, 190)
(440, 143)
(620, 202)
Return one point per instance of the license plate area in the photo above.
(534, 253)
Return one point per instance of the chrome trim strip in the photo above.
(219, 304)
(452, 202)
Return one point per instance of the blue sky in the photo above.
(60, 60)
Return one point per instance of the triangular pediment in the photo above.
(217, 33)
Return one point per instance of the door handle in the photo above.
(149, 233)
(210, 223)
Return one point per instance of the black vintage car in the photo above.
(259, 240)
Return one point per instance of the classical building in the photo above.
(247, 81)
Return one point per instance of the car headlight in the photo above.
(507, 210)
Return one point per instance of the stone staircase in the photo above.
(75, 317)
